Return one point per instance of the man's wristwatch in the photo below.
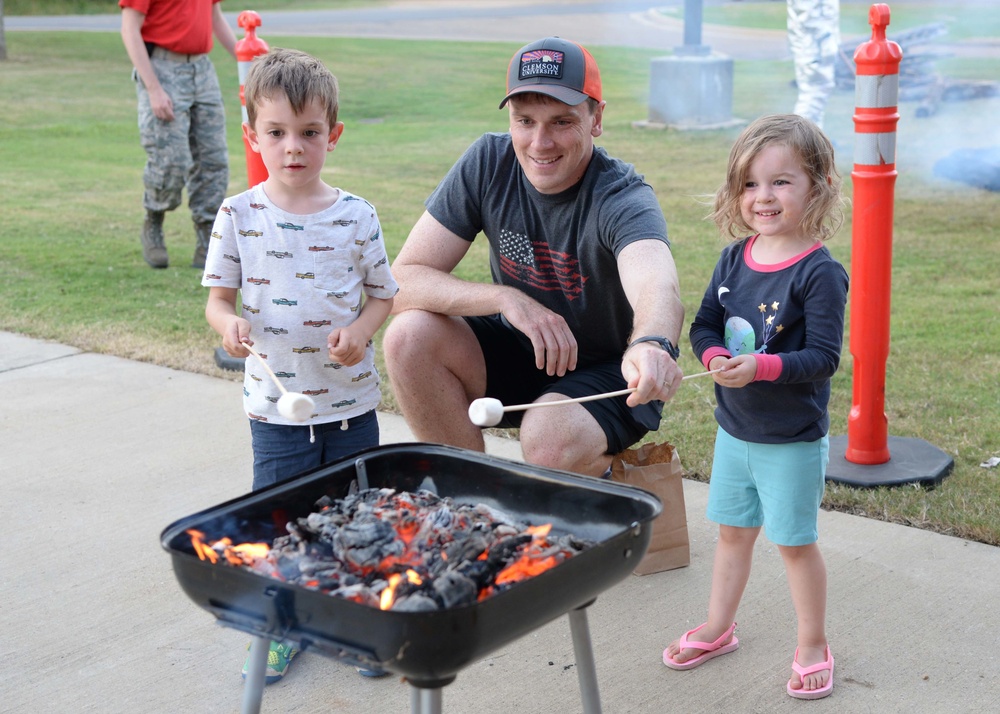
(661, 341)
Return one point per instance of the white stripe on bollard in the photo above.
(876, 90)
(875, 149)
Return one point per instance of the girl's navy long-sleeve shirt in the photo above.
(794, 310)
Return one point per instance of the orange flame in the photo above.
(531, 562)
(388, 596)
(242, 554)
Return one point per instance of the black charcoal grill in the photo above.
(427, 648)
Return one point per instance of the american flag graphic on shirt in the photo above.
(537, 265)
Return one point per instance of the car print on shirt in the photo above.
(333, 365)
(259, 281)
(306, 276)
(217, 235)
(212, 276)
(284, 375)
(339, 294)
(375, 236)
(233, 258)
(256, 417)
(284, 301)
(250, 234)
(258, 206)
(316, 323)
(305, 350)
(279, 254)
(344, 222)
(227, 210)
(343, 403)
(276, 330)
(363, 375)
(290, 227)
(251, 310)
(255, 378)
(320, 248)
(315, 392)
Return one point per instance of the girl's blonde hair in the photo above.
(824, 211)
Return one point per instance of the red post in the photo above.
(246, 49)
(874, 178)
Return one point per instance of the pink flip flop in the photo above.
(803, 671)
(711, 649)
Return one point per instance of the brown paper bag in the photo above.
(657, 468)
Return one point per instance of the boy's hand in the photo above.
(236, 333)
(346, 346)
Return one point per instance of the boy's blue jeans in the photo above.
(280, 452)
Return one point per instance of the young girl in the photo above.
(773, 320)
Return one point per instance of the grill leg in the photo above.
(253, 688)
(425, 701)
(586, 671)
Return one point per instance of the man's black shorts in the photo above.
(511, 377)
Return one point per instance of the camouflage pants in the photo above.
(189, 151)
(814, 37)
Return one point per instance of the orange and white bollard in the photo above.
(246, 49)
(874, 177)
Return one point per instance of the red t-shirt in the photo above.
(183, 26)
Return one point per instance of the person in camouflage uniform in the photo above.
(814, 38)
(182, 121)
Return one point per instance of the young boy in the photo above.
(311, 264)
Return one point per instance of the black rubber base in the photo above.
(223, 360)
(910, 461)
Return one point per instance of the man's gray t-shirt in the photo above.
(560, 249)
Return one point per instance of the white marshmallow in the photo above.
(296, 406)
(486, 411)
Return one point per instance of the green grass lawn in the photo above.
(72, 271)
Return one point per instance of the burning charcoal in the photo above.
(493, 515)
(360, 593)
(416, 602)
(366, 542)
(454, 589)
(505, 549)
(468, 549)
(403, 551)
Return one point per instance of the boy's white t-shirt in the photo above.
(300, 277)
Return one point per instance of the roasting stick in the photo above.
(489, 412)
(292, 405)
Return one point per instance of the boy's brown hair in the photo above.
(296, 75)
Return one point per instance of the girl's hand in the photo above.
(736, 371)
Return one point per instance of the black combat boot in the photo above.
(203, 233)
(153, 250)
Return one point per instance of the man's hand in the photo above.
(652, 372)
(554, 343)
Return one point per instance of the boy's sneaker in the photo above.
(371, 672)
(278, 658)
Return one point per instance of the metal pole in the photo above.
(585, 668)
(692, 30)
(425, 701)
(253, 688)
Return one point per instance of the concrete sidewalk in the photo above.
(100, 454)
